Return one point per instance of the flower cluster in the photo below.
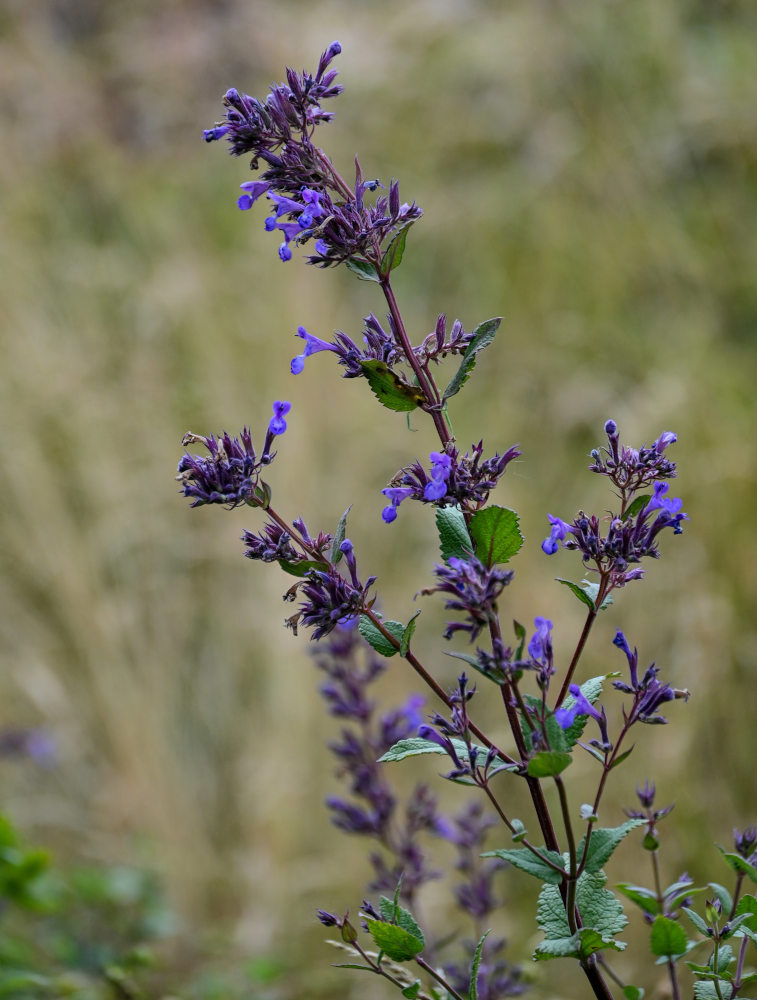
(649, 693)
(351, 668)
(229, 474)
(330, 599)
(473, 589)
(275, 542)
(633, 532)
(380, 346)
(631, 469)
(437, 345)
(308, 198)
(464, 480)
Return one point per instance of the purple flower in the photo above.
(312, 346)
(580, 705)
(557, 534)
(396, 494)
(540, 645)
(277, 424)
(441, 466)
(253, 190)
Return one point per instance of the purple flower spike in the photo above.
(277, 424)
(559, 530)
(312, 346)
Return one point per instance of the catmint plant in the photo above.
(550, 712)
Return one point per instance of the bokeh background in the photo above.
(588, 170)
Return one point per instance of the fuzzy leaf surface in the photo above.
(397, 943)
(524, 860)
(362, 268)
(388, 387)
(393, 254)
(548, 763)
(739, 864)
(496, 535)
(454, 539)
(604, 841)
(415, 746)
(379, 642)
(339, 536)
(475, 966)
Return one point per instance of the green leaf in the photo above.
(603, 842)
(696, 920)
(548, 763)
(739, 864)
(526, 861)
(301, 568)
(706, 990)
(483, 335)
(415, 746)
(638, 504)
(650, 842)
(519, 830)
(393, 913)
(362, 268)
(578, 591)
(379, 642)
(353, 965)
(389, 388)
(668, 938)
(621, 757)
(339, 536)
(601, 915)
(633, 992)
(587, 593)
(644, 898)
(495, 675)
(454, 539)
(395, 941)
(473, 988)
(393, 254)
(411, 992)
(747, 908)
(407, 635)
(495, 534)
(520, 635)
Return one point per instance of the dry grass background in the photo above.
(588, 170)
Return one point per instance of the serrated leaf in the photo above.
(339, 536)
(601, 915)
(397, 943)
(706, 990)
(362, 268)
(389, 389)
(473, 988)
(375, 638)
(454, 539)
(415, 746)
(739, 864)
(301, 568)
(696, 920)
(407, 635)
(526, 861)
(393, 913)
(548, 763)
(496, 535)
(603, 842)
(393, 254)
(483, 335)
(644, 898)
(668, 938)
(638, 504)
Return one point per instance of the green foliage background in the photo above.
(587, 169)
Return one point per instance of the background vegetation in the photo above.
(588, 170)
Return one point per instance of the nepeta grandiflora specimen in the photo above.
(549, 713)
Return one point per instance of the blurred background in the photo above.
(588, 170)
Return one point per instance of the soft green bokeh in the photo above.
(587, 169)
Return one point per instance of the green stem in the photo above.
(429, 970)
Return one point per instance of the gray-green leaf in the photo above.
(603, 842)
(454, 539)
(376, 639)
(526, 861)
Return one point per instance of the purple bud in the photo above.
(210, 134)
(389, 514)
(662, 442)
(611, 428)
(285, 253)
(646, 794)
